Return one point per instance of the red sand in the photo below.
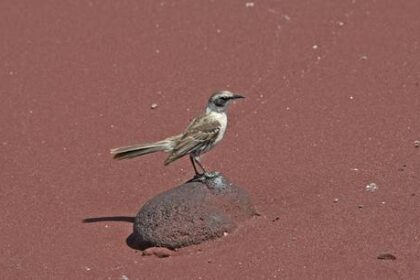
(333, 104)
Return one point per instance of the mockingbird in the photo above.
(203, 133)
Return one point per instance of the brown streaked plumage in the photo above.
(203, 133)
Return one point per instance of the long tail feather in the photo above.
(165, 145)
(139, 150)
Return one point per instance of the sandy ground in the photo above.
(333, 104)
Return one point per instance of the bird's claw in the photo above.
(211, 175)
(206, 175)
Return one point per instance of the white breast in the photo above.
(222, 118)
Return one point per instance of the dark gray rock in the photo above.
(201, 209)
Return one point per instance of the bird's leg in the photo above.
(195, 168)
(197, 160)
(206, 174)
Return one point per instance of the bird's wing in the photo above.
(201, 133)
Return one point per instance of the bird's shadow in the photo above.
(132, 240)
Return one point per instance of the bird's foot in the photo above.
(211, 175)
(204, 176)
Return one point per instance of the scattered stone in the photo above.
(417, 143)
(153, 106)
(249, 4)
(124, 277)
(372, 187)
(159, 252)
(87, 268)
(276, 219)
(360, 206)
(387, 257)
(335, 200)
(203, 208)
(287, 17)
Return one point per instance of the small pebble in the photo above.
(387, 257)
(159, 252)
(154, 106)
(372, 187)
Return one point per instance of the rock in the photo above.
(201, 209)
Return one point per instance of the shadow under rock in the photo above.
(109, 219)
(132, 240)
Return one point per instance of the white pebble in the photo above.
(372, 187)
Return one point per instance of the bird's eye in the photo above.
(220, 102)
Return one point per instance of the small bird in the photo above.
(201, 135)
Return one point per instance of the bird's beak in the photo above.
(237, 96)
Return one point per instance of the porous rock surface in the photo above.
(201, 209)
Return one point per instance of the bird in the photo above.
(200, 136)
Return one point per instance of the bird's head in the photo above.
(220, 101)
